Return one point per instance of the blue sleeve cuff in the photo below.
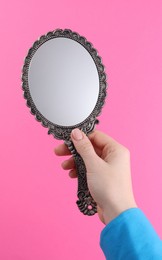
(131, 236)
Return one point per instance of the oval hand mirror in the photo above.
(64, 83)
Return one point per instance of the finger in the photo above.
(62, 150)
(68, 164)
(73, 173)
(85, 148)
(100, 140)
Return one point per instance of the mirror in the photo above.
(64, 84)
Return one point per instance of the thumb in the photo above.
(85, 148)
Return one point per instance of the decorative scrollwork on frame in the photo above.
(63, 132)
(85, 202)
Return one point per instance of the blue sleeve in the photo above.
(130, 236)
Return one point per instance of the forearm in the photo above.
(131, 236)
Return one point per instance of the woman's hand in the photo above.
(108, 171)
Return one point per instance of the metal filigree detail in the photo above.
(85, 203)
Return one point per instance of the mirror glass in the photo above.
(63, 81)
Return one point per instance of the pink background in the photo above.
(38, 215)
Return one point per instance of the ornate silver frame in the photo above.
(63, 132)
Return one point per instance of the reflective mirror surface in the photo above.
(63, 81)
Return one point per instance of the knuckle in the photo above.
(126, 151)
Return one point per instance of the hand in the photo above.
(108, 171)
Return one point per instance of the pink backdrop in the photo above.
(38, 215)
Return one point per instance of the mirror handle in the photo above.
(85, 202)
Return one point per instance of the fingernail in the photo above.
(77, 134)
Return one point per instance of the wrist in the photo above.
(110, 214)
